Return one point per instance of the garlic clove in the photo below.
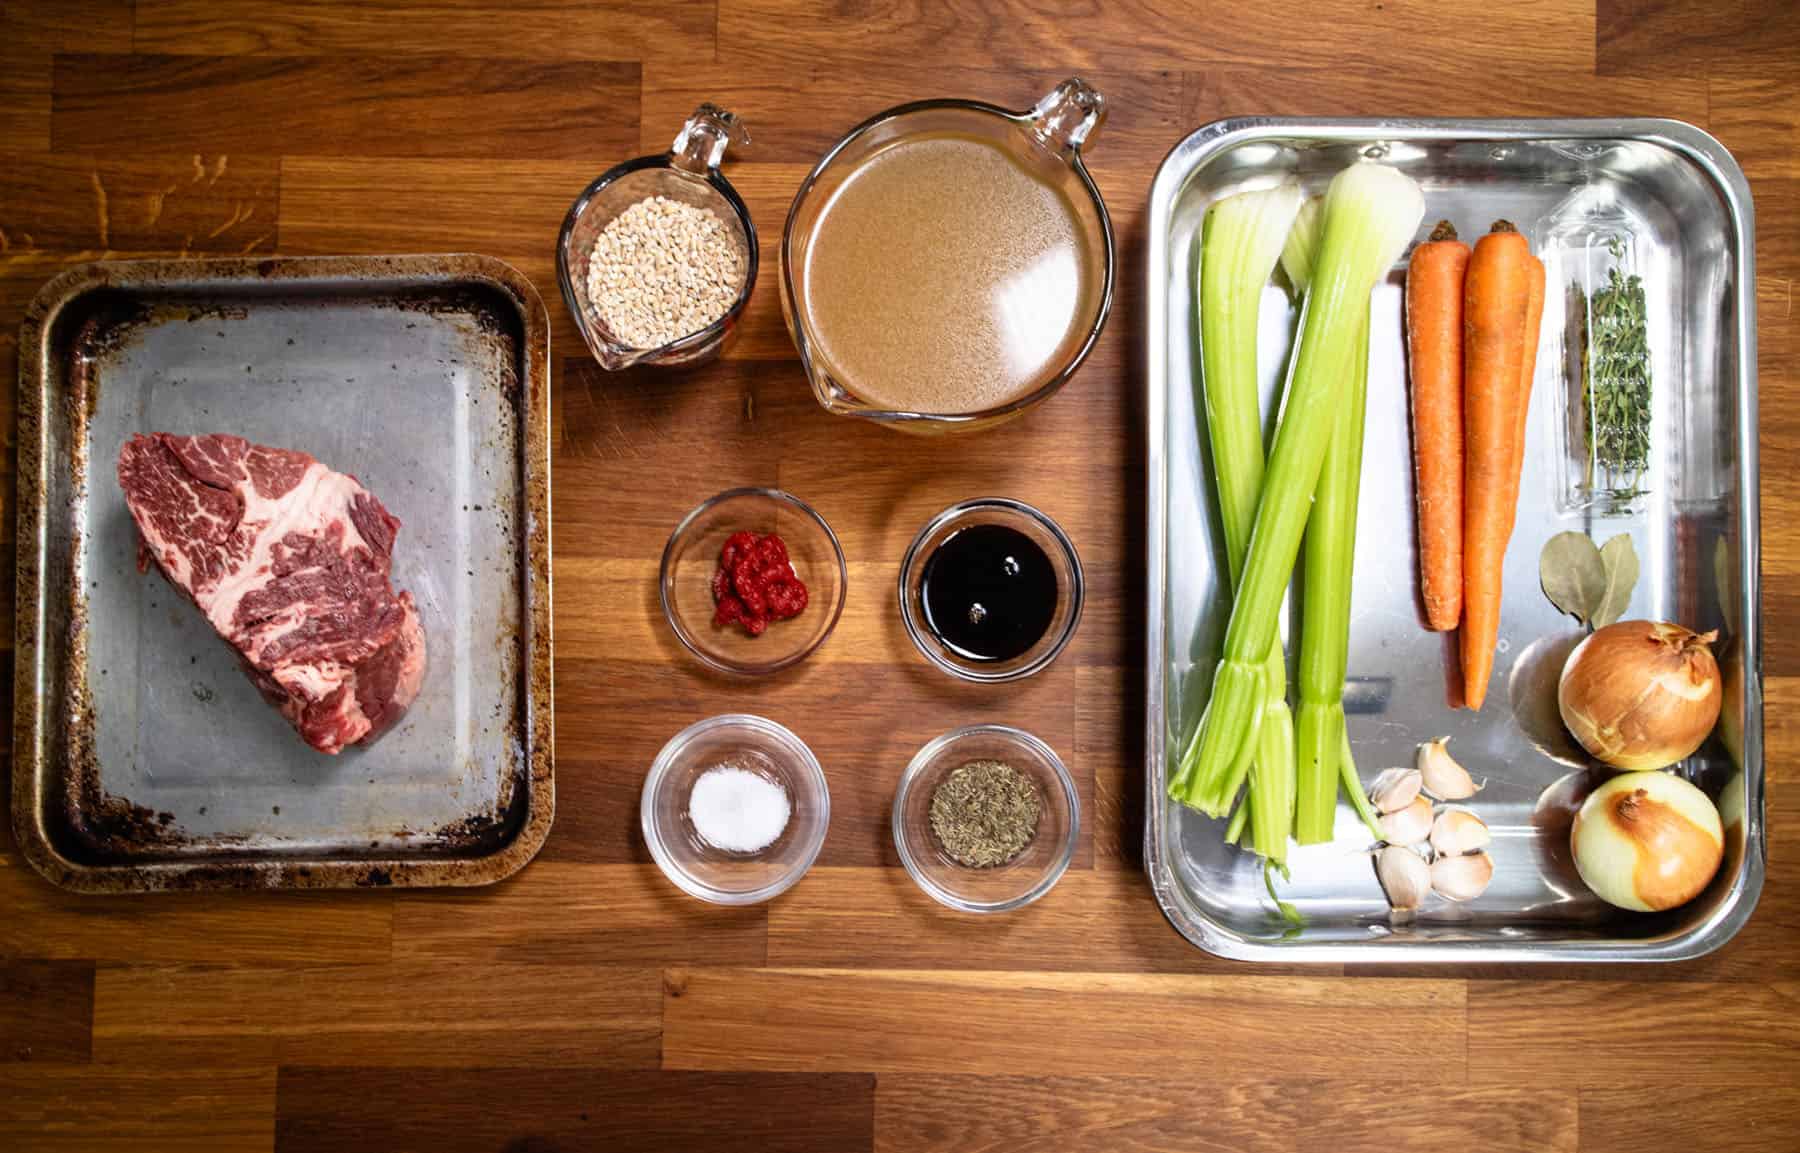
(1457, 831)
(1408, 826)
(1442, 777)
(1462, 878)
(1394, 789)
(1404, 877)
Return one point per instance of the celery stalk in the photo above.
(1297, 263)
(1302, 246)
(1370, 212)
(1353, 788)
(1325, 623)
(1234, 829)
(1273, 774)
(1297, 259)
(1241, 239)
(1289, 913)
(1318, 735)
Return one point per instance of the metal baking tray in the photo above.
(1696, 536)
(143, 757)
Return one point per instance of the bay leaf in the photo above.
(1621, 563)
(1573, 575)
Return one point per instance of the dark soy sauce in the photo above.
(989, 592)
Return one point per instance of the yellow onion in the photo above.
(1647, 841)
(1641, 694)
(1731, 709)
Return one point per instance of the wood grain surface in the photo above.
(587, 1005)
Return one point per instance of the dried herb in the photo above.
(1573, 576)
(1615, 363)
(985, 813)
(1621, 563)
(1592, 584)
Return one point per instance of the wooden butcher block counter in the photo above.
(586, 1004)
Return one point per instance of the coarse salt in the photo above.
(738, 810)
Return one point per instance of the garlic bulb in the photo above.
(1442, 777)
(1462, 878)
(1407, 826)
(1404, 877)
(1394, 789)
(1457, 831)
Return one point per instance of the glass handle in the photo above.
(1069, 115)
(701, 144)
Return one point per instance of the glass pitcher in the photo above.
(1057, 127)
(688, 172)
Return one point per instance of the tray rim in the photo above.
(1186, 158)
(29, 707)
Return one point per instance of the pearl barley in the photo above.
(662, 270)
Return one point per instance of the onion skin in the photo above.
(1647, 841)
(1641, 695)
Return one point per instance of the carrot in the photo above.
(1434, 346)
(1496, 294)
(1534, 319)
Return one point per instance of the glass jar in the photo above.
(689, 173)
(1604, 358)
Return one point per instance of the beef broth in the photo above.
(946, 275)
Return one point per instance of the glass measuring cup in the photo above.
(688, 172)
(1057, 127)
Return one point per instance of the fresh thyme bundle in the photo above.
(1615, 362)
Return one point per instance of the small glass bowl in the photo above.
(691, 558)
(1070, 587)
(718, 875)
(1004, 887)
(688, 172)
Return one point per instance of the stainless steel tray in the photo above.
(144, 758)
(1691, 205)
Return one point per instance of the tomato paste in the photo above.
(756, 583)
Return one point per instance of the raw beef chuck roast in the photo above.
(289, 561)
